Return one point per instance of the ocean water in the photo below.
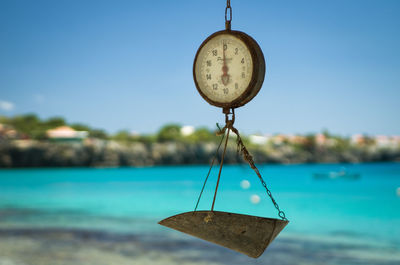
(337, 221)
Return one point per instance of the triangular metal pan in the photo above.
(246, 234)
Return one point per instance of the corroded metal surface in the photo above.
(257, 75)
(246, 234)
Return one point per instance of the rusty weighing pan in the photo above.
(246, 234)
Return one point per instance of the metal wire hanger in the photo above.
(241, 149)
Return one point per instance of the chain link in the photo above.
(280, 212)
(249, 159)
(241, 148)
(228, 19)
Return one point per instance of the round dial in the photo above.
(227, 69)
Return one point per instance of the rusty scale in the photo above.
(228, 71)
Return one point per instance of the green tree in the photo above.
(123, 136)
(53, 122)
(97, 133)
(29, 125)
(310, 143)
(80, 127)
(170, 132)
(202, 134)
(4, 120)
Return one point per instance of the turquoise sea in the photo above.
(110, 215)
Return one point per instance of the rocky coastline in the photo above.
(110, 153)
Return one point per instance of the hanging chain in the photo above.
(228, 19)
(241, 148)
(249, 159)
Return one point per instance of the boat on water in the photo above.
(342, 174)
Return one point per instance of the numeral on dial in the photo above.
(224, 69)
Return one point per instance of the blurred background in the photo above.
(103, 133)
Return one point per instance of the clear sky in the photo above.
(128, 64)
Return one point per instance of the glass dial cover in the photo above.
(226, 68)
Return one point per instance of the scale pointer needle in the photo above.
(225, 76)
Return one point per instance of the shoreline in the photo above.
(116, 154)
(200, 165)
(78, 246)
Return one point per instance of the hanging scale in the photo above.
(228, 72)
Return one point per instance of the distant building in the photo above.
(8, 132)
(320, 139)
(387, 141)
(297, 139)
(187, 130)
(357, 139)
(383, 140)
(66, 133)
(278, 139)
(135, 133)
(396, 139)
(259, 139)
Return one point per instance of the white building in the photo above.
(66, 133)
(259, 139)
(187, 130)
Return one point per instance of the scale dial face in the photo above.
(225, 69)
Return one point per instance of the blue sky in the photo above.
(128, 64)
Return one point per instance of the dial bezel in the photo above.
(257, 74)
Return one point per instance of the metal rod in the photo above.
(220, 169)
(209, 171)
